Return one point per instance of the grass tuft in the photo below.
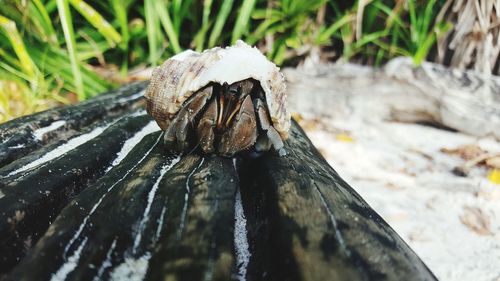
(60, 51)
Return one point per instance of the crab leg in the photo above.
(205, 129)
(178, 130)
(265, 124)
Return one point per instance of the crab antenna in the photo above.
(230, 97)
(225, 89)
(236, 110)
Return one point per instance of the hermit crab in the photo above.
(222, 101)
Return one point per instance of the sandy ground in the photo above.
(452, 222)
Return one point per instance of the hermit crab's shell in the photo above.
(181, 76)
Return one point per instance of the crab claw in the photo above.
(242, 134)
(205, 129)
(265, 124)
(177, 133)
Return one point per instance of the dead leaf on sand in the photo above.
(476, 220)
(467, 152)
(474, 156)
(493, 162)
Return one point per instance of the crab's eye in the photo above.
(234, 90)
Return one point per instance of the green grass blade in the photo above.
(379, 57)
(45, 21)
(325, 36)
(413, 21)
(9, 58)
(427, 44)
(98, 21)
(151, 30)
(69, 35)
(56, 63)
(243, 20)
(260, 14)
(427, 17)
(177, 6)
(264, 28)
(280, 51)
(200, 36)
(50, 6)
(220, 22)
(91, 49)
(392, 16)
(15, 73)
(391, 49)
(11, 32)
(120, 10)
(166, 22)
(370, 38)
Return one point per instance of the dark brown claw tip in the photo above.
(243, 132)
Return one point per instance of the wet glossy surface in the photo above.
(112, 202)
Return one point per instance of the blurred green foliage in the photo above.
(59, 51)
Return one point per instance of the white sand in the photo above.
(399, 170)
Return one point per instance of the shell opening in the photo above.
(224, 119)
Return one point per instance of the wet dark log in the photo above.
(306, 223)
(96, 205)
(24, 135)
(198, 241)
(144, 212)
(31, 199)
(156, 215)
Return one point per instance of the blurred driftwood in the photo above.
(466, 101)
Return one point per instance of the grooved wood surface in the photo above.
(106, 200)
